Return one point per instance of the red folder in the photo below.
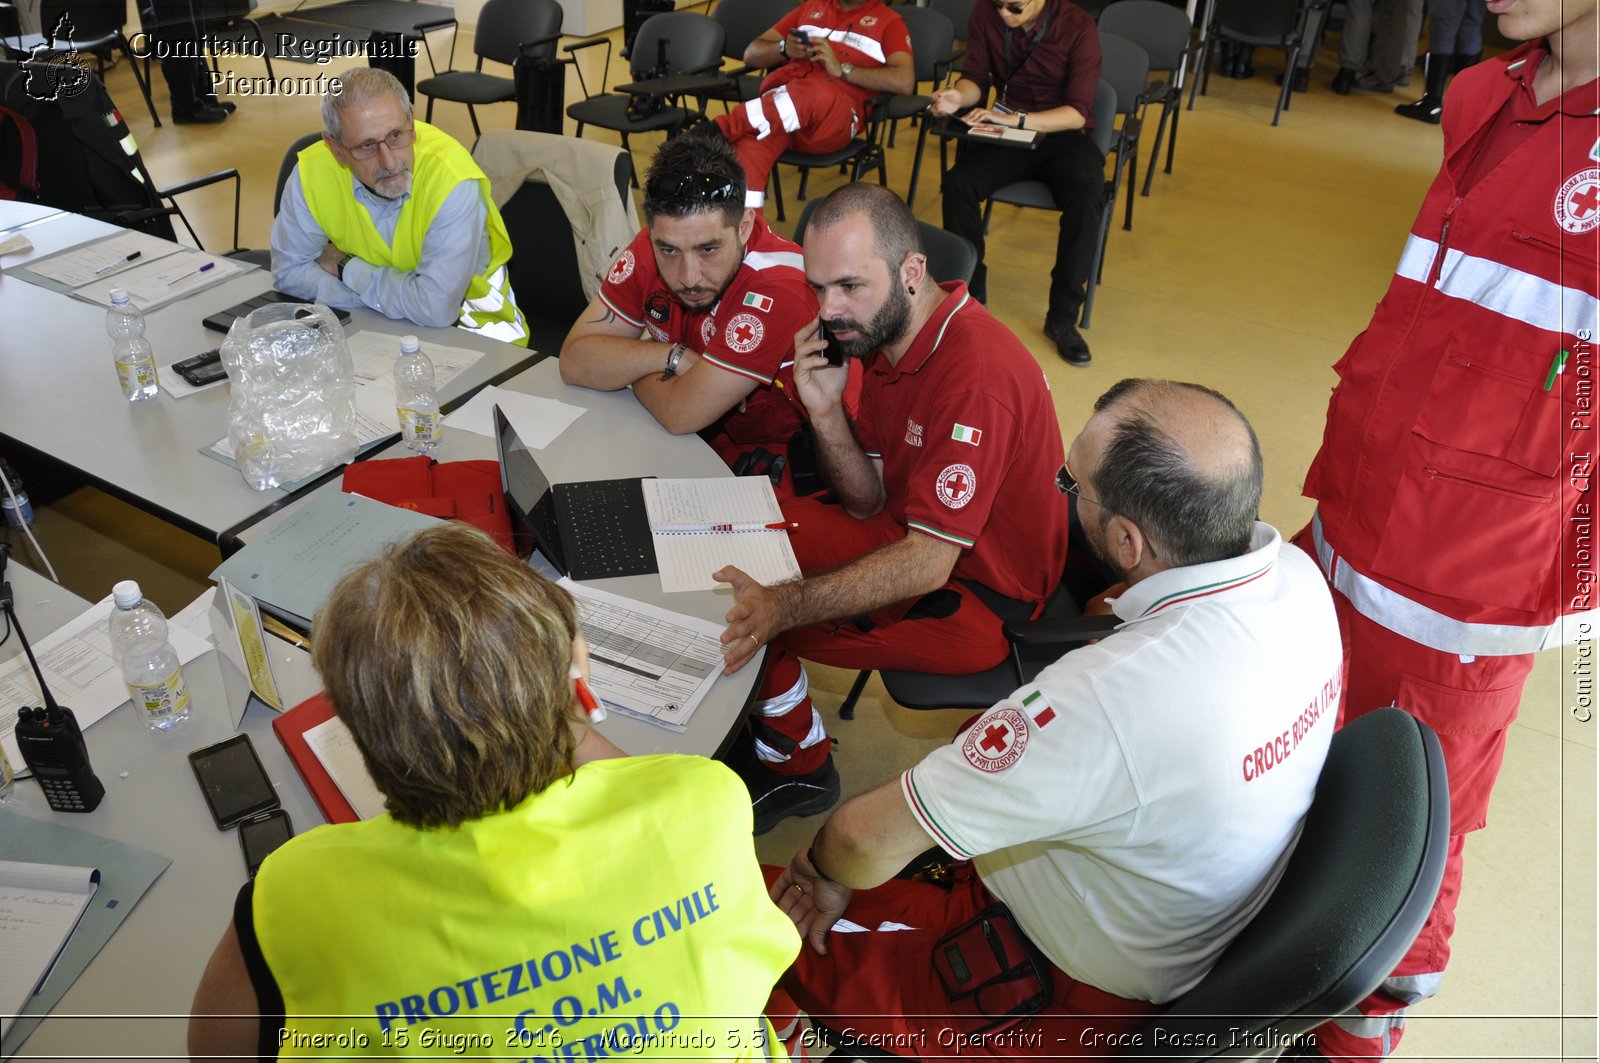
(291, 728)
(454, 490)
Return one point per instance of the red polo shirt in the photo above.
(749, 331)
(970, 447)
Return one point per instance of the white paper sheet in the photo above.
(646, 661)
(335, 747)
(687, 559)
(155, 284)
(104, 261)
(77, 663)
(538, 421)
(40, 905)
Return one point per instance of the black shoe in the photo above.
(776, 797)
(202, 115)
(1302, 80)
(1344, 81)
(1429, 109)
(1070, 344)
(226, 105)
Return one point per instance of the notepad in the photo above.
(40, 906)
(335, 748)
(687, 558)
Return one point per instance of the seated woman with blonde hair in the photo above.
(532, 892)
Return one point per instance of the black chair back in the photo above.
(1257, 21)
(1351, 900)
(745, 20)
(1127, 67)
(951, 257)
(959, 12)
(91, 20)
(1159, 28)
(504, 24)
(286, 167)
(932, 36)
(694, 42)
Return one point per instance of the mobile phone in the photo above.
(233, 781)
(801, 35)
(258, 837)
(833, 353)
(202, 369)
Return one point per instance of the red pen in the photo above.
(591, 704)
(742, 526)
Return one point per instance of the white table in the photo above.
(59, 395)
(132, 1001)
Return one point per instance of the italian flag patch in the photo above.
(962, 434)
(1038, 709)
(760, 302)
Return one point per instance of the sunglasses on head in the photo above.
(1015, 9)
(690, 188)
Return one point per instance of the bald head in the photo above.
(1181, 462)
(892, 224)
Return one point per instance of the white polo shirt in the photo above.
(1136, 804)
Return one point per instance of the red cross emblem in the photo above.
(956, 484)
(744, 333)
(996, 742)
(1577, 202)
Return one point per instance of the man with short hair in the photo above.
(718, 297)
(831, 57)
(390, 213)
(948, 517)
(1453, 485)
(1134, 806)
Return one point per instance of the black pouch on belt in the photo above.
(992, 972)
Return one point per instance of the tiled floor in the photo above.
(1250, 269)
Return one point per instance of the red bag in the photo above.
(455, 490)
(991, 971)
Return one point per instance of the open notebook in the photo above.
(40, 906)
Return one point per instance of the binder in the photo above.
(291, 728)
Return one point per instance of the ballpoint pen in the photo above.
(186, 276)
(109, 266)
(586, 698)
(739, 526)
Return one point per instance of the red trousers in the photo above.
(809, 114)
(968, 638)
(879, 985)
(1470, 705)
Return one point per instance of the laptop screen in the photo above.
(524, 483)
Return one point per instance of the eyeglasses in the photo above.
(669, 188)
(1068, 484)
(396, 140)
(1015, 9)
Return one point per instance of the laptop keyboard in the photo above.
(596, 518)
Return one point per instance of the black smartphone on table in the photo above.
(234, 783)
(258, 837)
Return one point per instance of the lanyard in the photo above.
(1038, 35)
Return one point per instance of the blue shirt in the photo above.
(455, 250)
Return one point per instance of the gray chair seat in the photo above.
(611, 112)
(469, 86)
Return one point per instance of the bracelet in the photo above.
(811, 858)
(674, 355)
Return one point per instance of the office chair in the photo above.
(506, 29)
(1037, 193)
(1163, 32)
(932, 42)
(951, 257)
(1126, 67)
(1351, 901)
(693, 46)
(96, 29)
(1257, 23)
(263, 256)
(544, 271)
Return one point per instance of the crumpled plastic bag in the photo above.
(293, 410)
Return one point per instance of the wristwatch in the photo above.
(783, 46)
(1022, 119)
(674, 356)
(344, 260)
(845, 70)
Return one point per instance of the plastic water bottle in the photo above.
(149, 663)
(14, 503)
(416, 400)
(136, 362)
(7, 776)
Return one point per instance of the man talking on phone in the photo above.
(949, 513)
(831, 55)
(1042, 59)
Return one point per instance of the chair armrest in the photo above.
(433, 24)
(537, 42)
(1059, 631)
(172, 191)
(589, 42)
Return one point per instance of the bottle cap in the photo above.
(410, 345)
(127, 594)
(119, 297)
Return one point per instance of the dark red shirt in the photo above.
(1053, 63)
(967, 433)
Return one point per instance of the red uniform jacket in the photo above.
(1454, 481)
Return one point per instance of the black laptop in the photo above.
(595, 529)
(223, 320)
